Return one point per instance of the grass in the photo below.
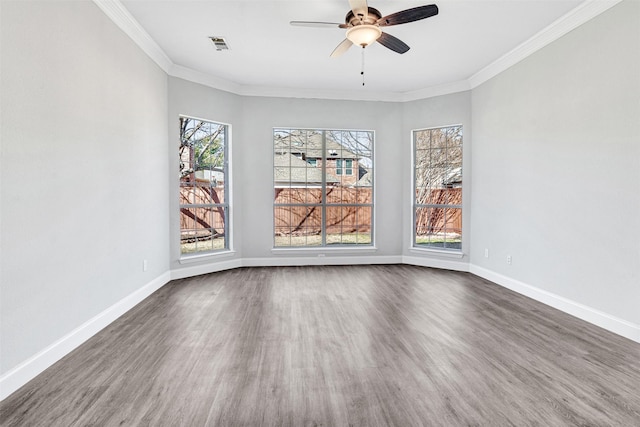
(450, 241)
(202, 245)
(439, 241)
(316, 240)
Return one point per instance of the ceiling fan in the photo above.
(363, 26)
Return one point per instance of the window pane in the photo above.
(205, 243)
(297, 225)
(348, 225)
(454, 155)
(187, 195)
(282, 219)
(437, 158)
(363, 224)
(313, 196)
(334, 194)
(421, 140)
(187, 218)
(218, 216)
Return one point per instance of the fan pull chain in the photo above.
(362, 67)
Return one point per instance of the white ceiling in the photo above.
(267, 52)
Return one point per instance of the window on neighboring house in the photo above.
(204, 184)
(327, 201)
(438, 188)
(347, 164)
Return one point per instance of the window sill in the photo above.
(323, 251)
(438, 252)
(189, 259)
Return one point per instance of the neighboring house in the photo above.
(366, 178)
(291, 171)
(216, 178)
(342, 166)
(453, 179)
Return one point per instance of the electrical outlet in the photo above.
(145, 264)
(486, 252)
(509, 259)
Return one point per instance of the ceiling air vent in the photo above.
(220, 43)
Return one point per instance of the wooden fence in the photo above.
(347, 210)
(307, 220)
(200, 220)
(439, 220)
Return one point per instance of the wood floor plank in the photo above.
(333, 346)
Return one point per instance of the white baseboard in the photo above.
(30, 368)
(320, 260)
(205, 268)
(280, 261)
(446, 264)
(606, 321)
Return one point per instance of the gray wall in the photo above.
(556, 167)
(83, 171)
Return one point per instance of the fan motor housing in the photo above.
(371, 18)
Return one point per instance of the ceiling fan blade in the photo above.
(409, 15)
(315, 24)
(341, 48)
(393, 43)
(359, 8)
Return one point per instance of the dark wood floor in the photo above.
(338, 346)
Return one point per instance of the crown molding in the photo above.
(347, 95)
(573, 19)
(115, 10)
(276, 92)
(127, 23)
(204, 79)
(433, 91)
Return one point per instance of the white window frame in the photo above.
(359, 247)
(453, 251)
(225, 204)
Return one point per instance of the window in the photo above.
(327, 202)
(348, 165)
(204, 184)
(438, 188)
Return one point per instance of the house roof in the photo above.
(366, 180)
(289, 168)
(453, 177)
(310, 145)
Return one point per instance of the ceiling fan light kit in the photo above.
(363, 35)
